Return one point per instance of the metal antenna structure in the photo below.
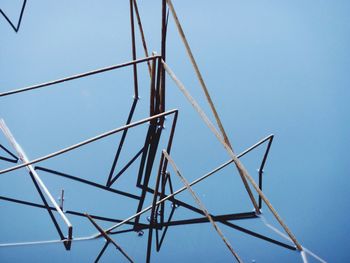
(155, 164)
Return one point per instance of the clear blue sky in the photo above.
(276, 67)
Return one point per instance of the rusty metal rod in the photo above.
(198, 73)
(84, 181)
(81, 75)
(133, 50)
(153, 210)
(143, 38)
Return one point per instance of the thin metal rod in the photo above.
(101, 252)
(198, 73)
(261, 168)
(8, 160)
(240, 216)
(157, 87)
(201, 205)
(163, 54)
(257, 235)
(144, 156)
(108, 239)
(98, 137)
(84, 181)
(126, 231)
(153, 210)
(81, 75)
(241, 169)
(254, 146)
(70, 212)
(133, 49)
(152, 87)
(62, 199)
(143, 38)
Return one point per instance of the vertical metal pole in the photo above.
(163, 55)
(136, 91)
(152, 88)
(153, 210)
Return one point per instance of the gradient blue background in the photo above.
(271, 67)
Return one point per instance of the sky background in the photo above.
(271, 67)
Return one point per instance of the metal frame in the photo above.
(147, 156)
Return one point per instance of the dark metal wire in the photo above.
(14, 157)
(81, 75)
(15, 28)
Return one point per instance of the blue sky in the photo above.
(271, 67)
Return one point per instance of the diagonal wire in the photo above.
(201, 205)
(142, 33)
(198, 73)
(287, 238)
(108, 239)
